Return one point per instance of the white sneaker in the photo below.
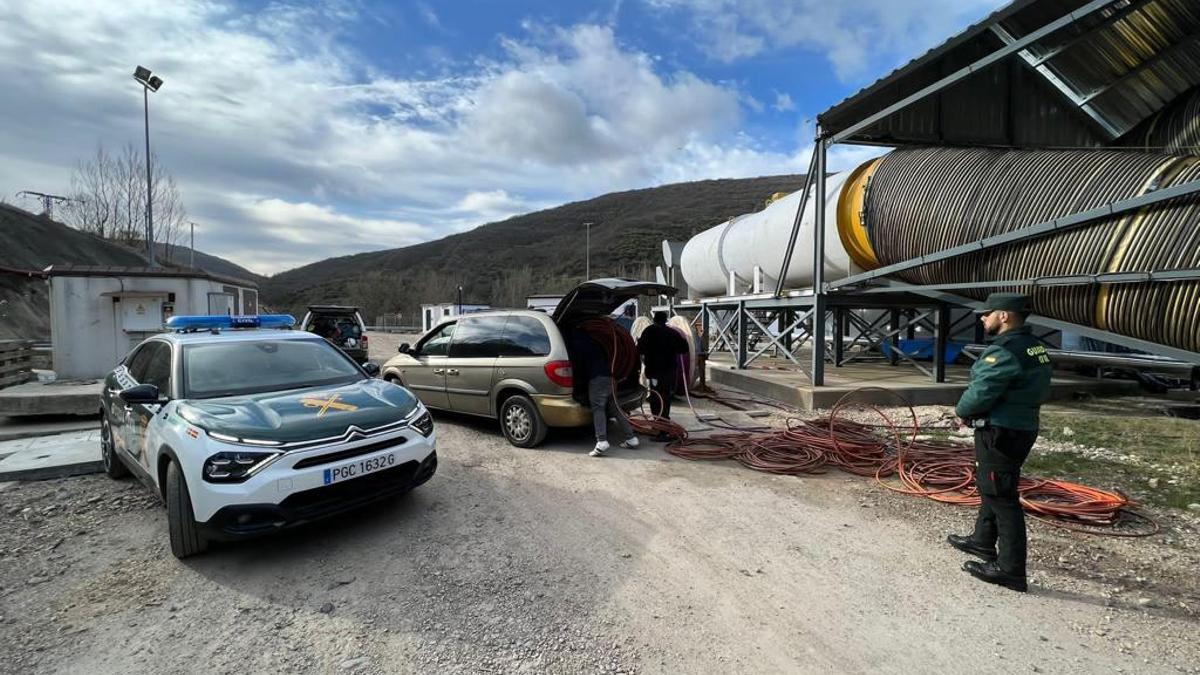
(600, 449)
(631, 442)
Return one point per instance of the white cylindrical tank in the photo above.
(760, 240)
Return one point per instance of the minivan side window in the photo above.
(438, 343)
(478, 338)
(525, 336)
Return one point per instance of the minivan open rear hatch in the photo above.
(601, 297)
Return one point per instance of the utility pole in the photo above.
(48, 201)
(587, 275)
(192, 261)
(460, 301)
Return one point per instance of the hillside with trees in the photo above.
(543, 252)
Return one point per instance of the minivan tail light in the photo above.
(363, 340)
(560, 373)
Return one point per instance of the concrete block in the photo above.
(48, 457)
(51, 398)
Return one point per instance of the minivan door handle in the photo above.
(439, 371)
(452, 371)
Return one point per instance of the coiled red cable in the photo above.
(942, 470)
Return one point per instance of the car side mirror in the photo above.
(405, 348)
(371, 368)
(145, 394)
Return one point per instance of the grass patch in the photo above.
(1161, 440)
(1171, 448)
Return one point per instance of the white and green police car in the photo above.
(244, 427)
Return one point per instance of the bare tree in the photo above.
(109, 199)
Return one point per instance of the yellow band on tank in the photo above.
(850, 224)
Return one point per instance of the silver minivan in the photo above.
(514, 365)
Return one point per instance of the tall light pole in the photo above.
(459, 301)
(587, 229)
(149, 83)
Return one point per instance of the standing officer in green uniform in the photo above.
(1009, 383)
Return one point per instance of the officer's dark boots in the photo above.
(969, 545)
(991, 573)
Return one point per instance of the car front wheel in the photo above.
(181, 520)
(113, 466)
(521, 422)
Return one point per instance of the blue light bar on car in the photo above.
(224, 321)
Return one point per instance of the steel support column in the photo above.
(742, 344)
(941, 335)
(895, 328)
(819, 291)
(839, 328)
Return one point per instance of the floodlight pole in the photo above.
(149, 180)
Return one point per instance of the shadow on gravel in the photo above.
(568, 440)
(470, 558)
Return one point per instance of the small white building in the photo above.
(97, 314)
(432, 315)
(543, 303)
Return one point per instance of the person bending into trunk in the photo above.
(593, 366)
(661, 347)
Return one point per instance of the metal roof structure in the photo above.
(1034, 74)
(159, 272)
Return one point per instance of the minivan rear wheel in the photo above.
(521, 422)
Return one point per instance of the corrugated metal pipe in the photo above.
(917, 202)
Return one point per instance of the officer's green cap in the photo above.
(1005, 302)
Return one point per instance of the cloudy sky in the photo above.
(299, 131)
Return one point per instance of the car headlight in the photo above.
(423, 423)
(235, 467)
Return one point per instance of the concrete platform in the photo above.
(71, 454)
(71, 397)
(781, 380)
(14, 428)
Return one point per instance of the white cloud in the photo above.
(855, 37)
(783, 102)
(289, 147)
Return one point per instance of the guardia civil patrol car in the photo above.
(245, 427)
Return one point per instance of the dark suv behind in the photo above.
(340, 324)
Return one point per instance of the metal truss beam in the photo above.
(1086, 331)
(787, 256)
(775, 341)
(1004, 52)
(896, 330)
(1164, 276)
(1030, 232)
(1080, 104)
(1111, 19)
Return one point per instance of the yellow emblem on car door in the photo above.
(325, 404)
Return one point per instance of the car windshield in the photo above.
(232, 368)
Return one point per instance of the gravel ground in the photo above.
(383, 346)
(548, 560)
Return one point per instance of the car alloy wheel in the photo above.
(516, 420)
(106, 447)
(108, 452)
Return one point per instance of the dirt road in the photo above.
(551, 561)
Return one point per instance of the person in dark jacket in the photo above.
(1009, 383)
(660, 347)
(591, 365)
